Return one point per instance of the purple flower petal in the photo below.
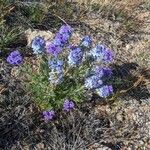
(101, 53)
(65, 29)
(53, 48)
(75, 56)
(105, 91)
(15, 58)
(38, 45)
(86, 41)
(48, 115)
(68, 105)
(93, 82)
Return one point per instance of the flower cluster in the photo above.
(75, 56)
(55, 46)
(68, 105)
(101, 53)
(48, 115)
(15, 58)
(56, 65)
(86, 41)
(56, 74)
(105, 91)
(97, 80)
(38, 45)
(104, 72)
(93, 82)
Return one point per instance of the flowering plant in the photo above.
(65, 73)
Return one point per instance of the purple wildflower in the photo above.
(53, 48)
(56, 74)
(15, 58)
(63, 38)
(102, 72)
(38, 45)
(56, 65)
(105, 91)
(93, 82)
(107, 55)
(65, 29)
(57, 42)
(68, 105)
(75, 57)
(63, 34)
(48, 115)
(101, 53)
(107, 72)
(86, 41)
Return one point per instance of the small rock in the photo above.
(30, 35)
(40, 146)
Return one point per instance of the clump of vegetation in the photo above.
(65, 73)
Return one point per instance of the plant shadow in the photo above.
(130, 74)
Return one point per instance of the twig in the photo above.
(125, 91)
(60, 18)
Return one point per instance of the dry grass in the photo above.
(124, 4)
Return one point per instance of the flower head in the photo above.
(107, 55)
(105, 91)
(56, 65)
(48, 115)
(86, 41)
(56, 45)
(68, 105)
(93, 82)
(63, 34)
(101, 53)
(57, 42)
(65, 29)
(107, 72)
(63, 38)
(102, 72)
(38, 45)
(53, 48)
(75, 56)
(15, 58)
